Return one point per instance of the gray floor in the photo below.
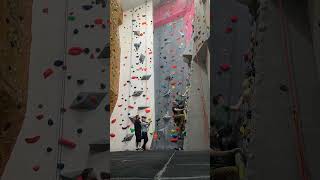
(160, 165)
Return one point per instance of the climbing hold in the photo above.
(32, 140)
(80, 81)
(225, 67)
(45, 10)
(58, 63)
(50, 122)
(155, 135)
(137, 46)
(102, 86)
(142, 107)
(128, 137)
(141, 59)
(88, 101)
(126, 127)
(86, 7)
(284, 88)
(134, 77)
(75, 31)
(107, 108)
(40, 116)
(75, 51)
(67, 143)
(174, 140)
(79, 131)
(98, 21)
(137, 93)
(104, 175)
(174, 67)
(49, 149)
(132, 130)
(112, 135)
(228, 30)
(71, 18)
(113, 121)
(60, 166)
(92, 56)
(105, 52)
(36, 168)
(131, 107)
(234, 19)
(147, 110)
(47, 73)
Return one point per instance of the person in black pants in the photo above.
(137, 131)
(144, 130)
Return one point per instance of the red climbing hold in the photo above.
(67, 143)
(40, 116)
(119, 105)
(177, 129)
(75, 51)
(36, 168)
(147, 110)
(32, 139)
(174, 140)
(112, 135)
(94, 99)
(228, 30)
(131, 107)
(225, 67)
(174, 67)
(134, 77)
(79, 178)
(234, 19)
(98, 21)
(113, 121)
(92, 56)
(45, 10)
(47, 73)
(155, 135)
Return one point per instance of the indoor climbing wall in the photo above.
(136, 82)
(65, 130)
(173, 30)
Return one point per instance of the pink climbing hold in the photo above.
(134, 77)
(67, 143)
(75, 51)
(98, 21)
(234, 19)
(225, 67)
(147, 110)
(131, 107)
(36, 168)
(113, 121)
(228, 30)
(47, 73)
(40, 116)
(32, 140)
(112, 135)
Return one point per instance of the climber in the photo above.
(222, 112)
(137, 131)
(144, 131)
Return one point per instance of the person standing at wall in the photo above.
(137, 131)
(144, 131)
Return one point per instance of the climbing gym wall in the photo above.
(116, 20)
(173, 30)
(15, 38)
(136, 81)
(64, 130)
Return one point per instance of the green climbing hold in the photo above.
(71, 18)
(132, 130)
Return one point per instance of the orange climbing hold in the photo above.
(98, 21)
(67, 143)
(32, 139)
(75, 51)
(112, 135)
(234, 19)
(47, 73)
(113, 121)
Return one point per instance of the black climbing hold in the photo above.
(86, 50)
(60, 166)
(98, 50)
(58, 63)
(92, 25)
(86, 26)
(105, 52)
(102, 86)
(87, 7)
(107, 107)
(69, 77)
(49, 149)
(104, 175)
(284, 88)
(80, 81)
(75, 31)
(50, 122)
(79, 131)
(103, 26)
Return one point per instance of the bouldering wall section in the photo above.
(15, 38)
(173, 31)
(115, 21)
(136, 82)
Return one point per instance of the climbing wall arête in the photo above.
(136, 80)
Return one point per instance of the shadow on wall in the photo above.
(201, 57)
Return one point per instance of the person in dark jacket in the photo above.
(137, 132)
